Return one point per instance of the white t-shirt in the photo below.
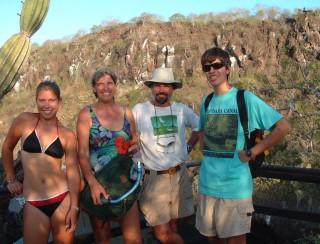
(162, 133)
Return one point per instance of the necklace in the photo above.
(157, 118)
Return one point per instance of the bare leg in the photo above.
(101, 230)
(174, 225)
(166, 235)
(60, 234)
(36, 225)
(130, 225)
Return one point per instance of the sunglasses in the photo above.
(216, 66)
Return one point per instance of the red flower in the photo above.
(122, 145)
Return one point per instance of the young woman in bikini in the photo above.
(51, 194)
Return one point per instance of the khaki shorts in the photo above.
(223, 217)
(165, 197)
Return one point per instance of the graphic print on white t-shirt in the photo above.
(165, 127)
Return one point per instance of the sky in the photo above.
(66, 18)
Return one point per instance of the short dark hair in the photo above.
(48, 85)
(215, 53)
(102, 72)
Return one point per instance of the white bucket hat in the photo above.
(163, 75)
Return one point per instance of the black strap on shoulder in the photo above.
(207, 101)
(243, 116)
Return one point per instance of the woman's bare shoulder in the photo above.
(66, 133)
(84, 112)
(26, 117)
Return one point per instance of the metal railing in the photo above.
(290, 174)
(267, 171)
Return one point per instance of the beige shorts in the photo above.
(223, 217)
(165, 197)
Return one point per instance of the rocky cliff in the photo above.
(276, 59)
(136, 49)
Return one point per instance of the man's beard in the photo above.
(161, 101)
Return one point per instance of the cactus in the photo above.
(32, 15)
(12, 55)
(16, 50)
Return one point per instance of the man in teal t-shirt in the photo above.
(225, 183)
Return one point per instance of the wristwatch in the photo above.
(249, 154)
(189, 148)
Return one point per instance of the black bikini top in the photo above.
(32, 144)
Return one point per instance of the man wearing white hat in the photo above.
(161, 124)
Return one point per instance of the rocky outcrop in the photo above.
(136, 49)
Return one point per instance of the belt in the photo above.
(170, 171)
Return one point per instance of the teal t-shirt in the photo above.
(222, 174)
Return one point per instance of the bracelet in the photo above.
(75, 207)
(12, 180)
